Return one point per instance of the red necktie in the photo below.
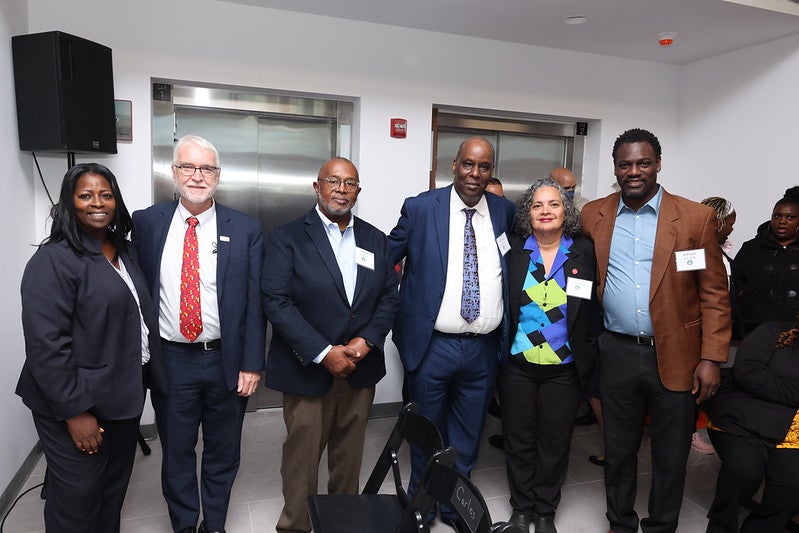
(191, 316)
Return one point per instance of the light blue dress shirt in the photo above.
(626, 298)
(343, 244)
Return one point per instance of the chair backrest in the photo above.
(416, 517)
(413, 428)
(444, 485)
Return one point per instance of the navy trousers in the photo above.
(452, 386)
(198, 396)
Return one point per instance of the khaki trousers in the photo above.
(336, 421)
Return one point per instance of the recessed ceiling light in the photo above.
(575, 20)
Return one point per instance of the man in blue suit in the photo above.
(203, 263)
(330, 292)
(452, 325)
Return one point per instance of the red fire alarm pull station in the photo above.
(399, 128)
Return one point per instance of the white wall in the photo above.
(738, 119)
(17, 435)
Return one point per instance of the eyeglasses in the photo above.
(189, 170)
(335, 183)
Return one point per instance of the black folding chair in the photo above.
(444, 485)
(370, 511)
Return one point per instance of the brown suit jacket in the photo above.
(690, 310)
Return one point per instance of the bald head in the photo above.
(563, 177)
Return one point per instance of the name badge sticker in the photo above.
(224, 238)
(579, 288)
(364, 258)
(690, 260)
(503, 244)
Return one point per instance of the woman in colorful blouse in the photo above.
(553, 319)
(754, 425)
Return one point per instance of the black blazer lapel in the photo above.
(162, 223)
(573, 268)
(316, 232)
(225, 227)
(518, 266)
(361, 241)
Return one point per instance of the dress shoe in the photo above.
(191, 529)
(494, 409)
(204, 529)
(521, 520)
(596, 460)
(544, 524)
(455, 524)
(496, 440)
(587, 419)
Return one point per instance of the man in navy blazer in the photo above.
(212, 373)
(330, 292)
(451, 361)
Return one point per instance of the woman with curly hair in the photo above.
(551, 273)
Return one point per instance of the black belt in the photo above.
(205, 346)
(641, 341)
(460, 335)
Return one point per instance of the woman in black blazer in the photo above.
(91, 343)
(553, 319)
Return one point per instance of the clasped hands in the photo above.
(340, 361)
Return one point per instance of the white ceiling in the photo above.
(623, 28)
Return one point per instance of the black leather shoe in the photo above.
(544, 524)
(493, 408)
(191, 529)
(455, 524)
(596, 460)
(521, 520)
(496, 440)
(204, 529)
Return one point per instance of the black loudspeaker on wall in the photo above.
(65, 94)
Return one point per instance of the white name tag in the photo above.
(580, 288)
(690, 260)
(224, 238)
(364, 258)
(503, 244)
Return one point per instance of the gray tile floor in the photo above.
(257, 499)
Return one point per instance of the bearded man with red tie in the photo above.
(203, 263)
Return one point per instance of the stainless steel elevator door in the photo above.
(269, 164)
(520, 159)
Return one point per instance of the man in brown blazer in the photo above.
(664, 298)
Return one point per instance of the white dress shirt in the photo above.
(171, 266)
(489, 271)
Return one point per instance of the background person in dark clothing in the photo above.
(755, 429)
(765, 273)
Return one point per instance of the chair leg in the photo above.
(145, 448)
(43, 493)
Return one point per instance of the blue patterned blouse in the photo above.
(542, 336)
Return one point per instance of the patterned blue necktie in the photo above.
(470, 294)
